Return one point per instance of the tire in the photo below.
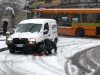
(50, 45)
(11, 51)
(80, 32)
(55, 41)
(29, 51)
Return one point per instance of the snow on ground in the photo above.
(45, 65)
(2, 43)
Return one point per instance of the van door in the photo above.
(46, 31)
(53, 30)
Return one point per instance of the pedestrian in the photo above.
(5, 24)
(47, 46)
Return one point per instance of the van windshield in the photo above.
(30, 27)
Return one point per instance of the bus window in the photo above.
(45, 15)
(64, 17)
(35, 16)
(87, 18)
(75, 17)
(64, 20)
(97, 18)
(54, 16)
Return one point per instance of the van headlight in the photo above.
(32, 41)
(9, 40)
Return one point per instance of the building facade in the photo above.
(66, 4)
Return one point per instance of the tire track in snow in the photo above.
(69, 70)
(77, 48)
(8, 65)
(46, 66)
(49, 65)
(87, 62)
(19, 70)
(2, 72)
(10, 71)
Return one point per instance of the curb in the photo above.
(3, 49)
(3, 40)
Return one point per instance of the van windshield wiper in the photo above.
(31, 28)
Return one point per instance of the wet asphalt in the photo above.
(87, 61)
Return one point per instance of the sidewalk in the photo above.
(11, 30)
(3, 45)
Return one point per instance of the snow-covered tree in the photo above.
(12, 6)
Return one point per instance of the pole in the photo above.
(35, 9)
(26, 7)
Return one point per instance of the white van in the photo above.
(30, 33)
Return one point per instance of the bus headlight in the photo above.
(32, 41)
(9, 40)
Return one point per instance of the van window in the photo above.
(29, 27)
(46, 27)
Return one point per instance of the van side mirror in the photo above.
(45, 31)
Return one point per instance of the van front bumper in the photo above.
(22, 47)
(21, 44)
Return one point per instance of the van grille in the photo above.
(20, 40)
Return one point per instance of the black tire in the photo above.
(51, 44)
(80, 32)
(11, 51)
(29, 51)
(55, 41)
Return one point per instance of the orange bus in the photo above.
(80, 22)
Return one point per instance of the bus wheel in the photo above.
(79, 32)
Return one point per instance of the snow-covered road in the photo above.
(60, 64)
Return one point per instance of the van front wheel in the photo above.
(11, 51)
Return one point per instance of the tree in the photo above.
(12, 6)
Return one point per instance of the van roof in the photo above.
(37, 21)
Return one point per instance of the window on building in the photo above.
(97, 0)
(93, 0)
(74, 1)
(87, 0)
(40, 0)
(64, 1)
(48, 1)
(87, 18)
(31, 3)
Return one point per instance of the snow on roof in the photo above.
(37, 21)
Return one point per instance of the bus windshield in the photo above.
(29, 27)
